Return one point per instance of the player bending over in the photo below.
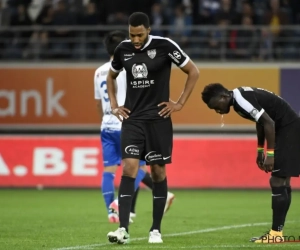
(277, 124)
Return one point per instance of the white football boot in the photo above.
(155, 237)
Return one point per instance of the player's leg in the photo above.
(279, 205)
(280, 202)
(160, 193)
(114, 206)
(289, 194)
(126, 192)
(108, 190)
(287, 156)
(110, 162)
(132, 146)
(159, 143)
(147, 180)
(149, 183)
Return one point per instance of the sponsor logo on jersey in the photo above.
(139, 71)
(141, 84)
(177, 54)
(129, 54)
(132, 150)
(153, 156)
(173, 57)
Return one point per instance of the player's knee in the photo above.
(277, 181)
(158, 172)
(130, 167)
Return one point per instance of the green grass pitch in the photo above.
(198, 219)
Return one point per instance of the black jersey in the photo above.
(251, 103)
(148, 74)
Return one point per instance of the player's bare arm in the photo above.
(111, 91)
(260, 145)
(193, 74)
(269, 130)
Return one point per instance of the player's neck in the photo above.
(146, 41)
(111, 58)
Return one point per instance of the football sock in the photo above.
(139, 177)
(107, 188)
(289, 193)
(160, 192)
(279, 205)
(133, 203)
(148, 180)
(126, 192)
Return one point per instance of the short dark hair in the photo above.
(139, 18)
(112, 40)
(212, 90)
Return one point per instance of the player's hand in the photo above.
(121, 112)
(169, 108)
(268, 164)
(260, 160)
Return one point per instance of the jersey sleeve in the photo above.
(176, 54)
(116, 64)
(96, 86)
(247, 100)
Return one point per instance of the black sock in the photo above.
(133, 202)
(148, 181)
(289, 193)
(126, 192)
(279, 205)
(160, 192)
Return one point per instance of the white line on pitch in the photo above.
(210, 246)
(206, 230)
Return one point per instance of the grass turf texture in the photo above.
(76, 219)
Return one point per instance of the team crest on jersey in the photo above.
(139, 71)
(151, 53)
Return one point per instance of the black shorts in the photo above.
(149, 141)
(287, 151)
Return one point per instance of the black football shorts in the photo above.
(149, 141)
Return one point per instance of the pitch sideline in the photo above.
(206, 230)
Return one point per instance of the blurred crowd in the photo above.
(206, 29)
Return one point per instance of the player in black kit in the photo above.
(147, 131)
(279, 125)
